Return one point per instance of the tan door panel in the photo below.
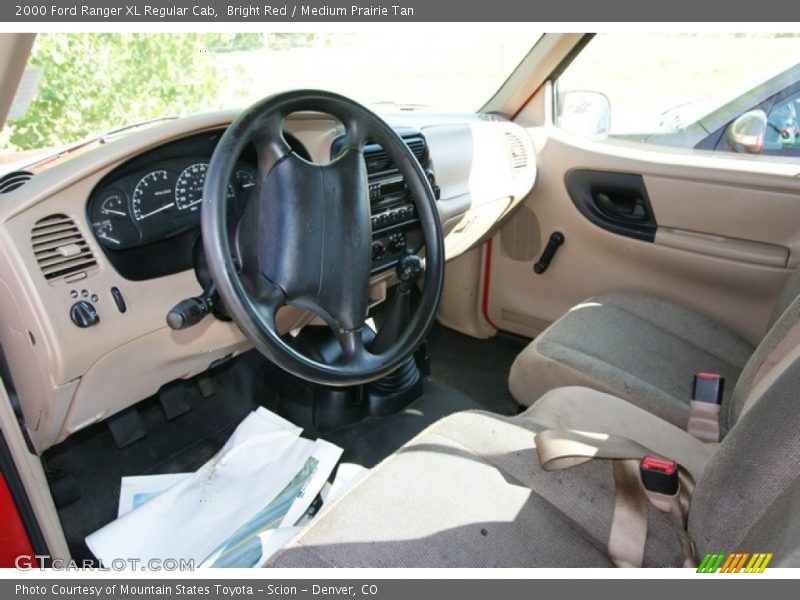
(728, 237)
(757, 253)
(746, 212)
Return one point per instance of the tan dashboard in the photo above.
(67, 377)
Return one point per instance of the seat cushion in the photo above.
(469, 492)
(643, 349)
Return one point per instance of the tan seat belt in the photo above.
(562, 449)
(704, 421)
(706, 407)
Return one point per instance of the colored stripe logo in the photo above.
(734, 562)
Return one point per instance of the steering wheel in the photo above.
(305, 237)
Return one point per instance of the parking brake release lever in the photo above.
(192, 310)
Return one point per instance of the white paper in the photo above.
(194, 516)
(273, 540)
(244, 548)
(140, 489)
(347, 476)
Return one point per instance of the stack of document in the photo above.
(236, 510)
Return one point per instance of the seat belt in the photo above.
(706, 406)
(639, 478)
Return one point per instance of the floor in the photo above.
(466, 374)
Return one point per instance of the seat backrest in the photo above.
(751, 486)
(788, 294)
(781, 338)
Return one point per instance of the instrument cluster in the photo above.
(159, 201)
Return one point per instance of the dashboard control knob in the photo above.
(378, 251)
(119, 300)
(83, 314)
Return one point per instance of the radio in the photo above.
(395, 223)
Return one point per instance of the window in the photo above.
(720, 92)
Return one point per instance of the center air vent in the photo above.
(376, 158)
(11, 181)
(60, 249)
(516, 151)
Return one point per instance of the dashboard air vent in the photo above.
(378, 161)
(61, 250)
(417, 145)
(376, 158)
(516, 151)
(11, 181)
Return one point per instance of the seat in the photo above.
(647, 350)
(469, 492)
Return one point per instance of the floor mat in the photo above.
(92, 458)
(467, 374)
(478, 368)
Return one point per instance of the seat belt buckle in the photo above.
(659, 475)
(708, 388)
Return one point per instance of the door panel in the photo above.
(727, 235)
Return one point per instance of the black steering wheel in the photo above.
(305, 237)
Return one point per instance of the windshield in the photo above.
(82, 84)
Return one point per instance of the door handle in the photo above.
(626, 207)
(616, 202)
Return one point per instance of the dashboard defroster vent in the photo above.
(61, 250)
(14, 180)
(516, 151)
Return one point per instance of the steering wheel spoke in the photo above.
(353, 350)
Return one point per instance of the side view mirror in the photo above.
(584, 112)
(747, 132)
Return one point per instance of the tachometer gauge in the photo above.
(111, 220)
(153, 195)
(189, 187)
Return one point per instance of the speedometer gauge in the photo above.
(189, 187)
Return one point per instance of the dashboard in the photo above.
(118, 227)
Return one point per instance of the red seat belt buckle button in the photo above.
(659, 475)
(708, 388)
